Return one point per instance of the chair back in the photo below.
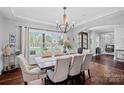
(86, 51)
(61, 68)
(79, 50)
(58, 53)
(46, 54)
(27, 73)
(75, 66)
(86, 61)
(22, 62)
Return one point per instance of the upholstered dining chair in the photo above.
(85, 64)
(75, 66)
(86, 51)
(46, 54)
(61, 70)
(58, 53)
(29, 73)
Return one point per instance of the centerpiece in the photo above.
(66, 46)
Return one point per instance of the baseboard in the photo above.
(119, 60)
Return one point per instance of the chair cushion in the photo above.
(31, 66)
(37, 70)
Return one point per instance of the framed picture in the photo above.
(12, 38)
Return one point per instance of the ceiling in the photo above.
(103, 28)
(49, 15)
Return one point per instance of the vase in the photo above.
(64, 51)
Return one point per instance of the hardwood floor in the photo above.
(13, 77)
(103, 71)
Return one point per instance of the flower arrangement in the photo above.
(67, 45)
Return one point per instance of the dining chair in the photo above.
(85, 51)
(85, 64)
(46, 54)
(29, 73)
(80, 50)
(58, 53)
(75, 66)
(61, 70)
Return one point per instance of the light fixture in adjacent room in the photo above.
(65, 26)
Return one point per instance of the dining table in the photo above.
(48, 62)
(45, 63)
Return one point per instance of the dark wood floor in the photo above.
(104, 71)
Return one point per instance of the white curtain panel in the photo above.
(25, 41)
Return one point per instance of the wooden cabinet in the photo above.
(83, 40)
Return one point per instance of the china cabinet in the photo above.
(83, 40)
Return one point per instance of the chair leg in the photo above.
(43, 81)
(89, 73)
(84, 75)
(72, 82)
(26, 83)
(55, 83)
(66, 82)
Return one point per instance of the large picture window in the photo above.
(40, 41)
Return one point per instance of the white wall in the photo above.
(1, 63)
(11, 27)
(119, 37)
(2, 30)
(93, 43)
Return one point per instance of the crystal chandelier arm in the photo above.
(66, 28)
(60, 28)
(71, 27)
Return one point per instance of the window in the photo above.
(43, 40)
(35, 42)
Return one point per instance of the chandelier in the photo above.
(65, 26)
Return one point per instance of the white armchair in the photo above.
(29, 73)
(85, 64)
(61, 70)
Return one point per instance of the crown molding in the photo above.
(30, 19)
(76, 25)
(100, 16)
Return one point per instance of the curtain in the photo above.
(25, 41)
